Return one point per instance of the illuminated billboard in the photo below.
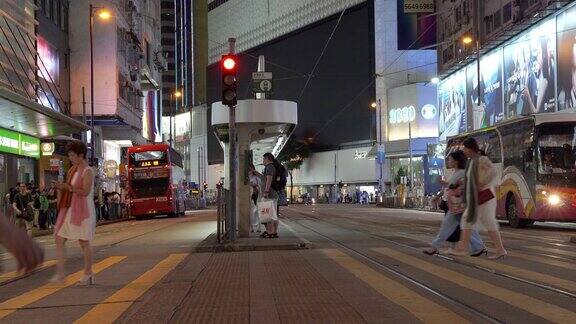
(412, 105)
(490, 110)
(529, 71)
(453, 117)
(567, 59)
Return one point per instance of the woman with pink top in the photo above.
(76, 212)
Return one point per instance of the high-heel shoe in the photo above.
(57, 279)
(86, 280)
(479, 253)
(498, 256)
(430, 251)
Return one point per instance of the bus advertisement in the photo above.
(535, 158)
(155, 177)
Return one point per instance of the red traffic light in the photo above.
(229, 63)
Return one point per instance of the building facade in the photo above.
(126, 76)
(34, 101)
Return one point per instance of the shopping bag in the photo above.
(267, 210)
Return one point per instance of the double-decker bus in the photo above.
(535, 160)
(155, 177)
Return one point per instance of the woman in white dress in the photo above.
(76, 212)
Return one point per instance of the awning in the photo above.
(123, 133)
(25, 116)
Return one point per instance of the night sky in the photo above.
(342, 79)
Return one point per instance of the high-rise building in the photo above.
(127, 62)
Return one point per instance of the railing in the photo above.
(23, 71)
(223, 227)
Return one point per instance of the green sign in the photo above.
(20, 144)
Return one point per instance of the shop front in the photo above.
(19, 155)
(412, 126)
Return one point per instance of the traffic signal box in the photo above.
(229, 68)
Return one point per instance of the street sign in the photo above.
(262, 82)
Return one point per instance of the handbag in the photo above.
(484, 196)
(443, 206)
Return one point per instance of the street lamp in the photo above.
(103, 14)
(176, 94)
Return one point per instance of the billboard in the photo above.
(412, 105)
(453, 117)
(490, 110)
(567, 59)
(529, 71)
(415, 30)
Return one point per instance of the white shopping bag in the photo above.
(267, 210)
(254, 215)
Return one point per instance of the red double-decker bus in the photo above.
(155, 178)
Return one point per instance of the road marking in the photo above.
(19, 274)
(10, 306)
(551, 250)
(523, 273)
(114, 306)
(293, 231)
(535, 306)
(419, 306)
(552, 262)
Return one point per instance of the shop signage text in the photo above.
(20, 144)
(358, 155)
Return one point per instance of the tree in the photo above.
(292, 156)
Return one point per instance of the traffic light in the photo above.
(229, 68)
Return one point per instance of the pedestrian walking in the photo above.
(23, 209)
(52, 206)
(77, 215)
(479, 181)
(42, 204)
(454, 192)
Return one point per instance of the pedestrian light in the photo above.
(229, 71)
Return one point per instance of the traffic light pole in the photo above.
(233, 159)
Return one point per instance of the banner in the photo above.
(567, 60)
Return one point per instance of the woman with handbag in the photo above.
(480, 201)
(450, 228)
(77, 214)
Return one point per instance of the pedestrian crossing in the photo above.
(418, 303)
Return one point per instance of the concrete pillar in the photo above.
(243, 198)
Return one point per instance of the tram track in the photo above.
(407, 246)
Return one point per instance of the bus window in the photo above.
(556, 145)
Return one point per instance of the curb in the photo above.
(50, 232)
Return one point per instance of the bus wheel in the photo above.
(512, 213)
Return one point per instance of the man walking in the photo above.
(23, 209)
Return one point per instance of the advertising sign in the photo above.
(529, 71)
(20, 144)
(453, 117)
(418, 6)
(47, 60)
(567, 59)
(412, 105)
(490, 110)
(416, 29)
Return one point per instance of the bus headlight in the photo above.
(554, 200)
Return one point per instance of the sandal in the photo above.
(264, 235)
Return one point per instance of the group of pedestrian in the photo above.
(76, 219)
(469, 202)
(32, 207)
(270, 184)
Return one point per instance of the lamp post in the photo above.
(103, 14)
(378, 105)
(177, 94)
